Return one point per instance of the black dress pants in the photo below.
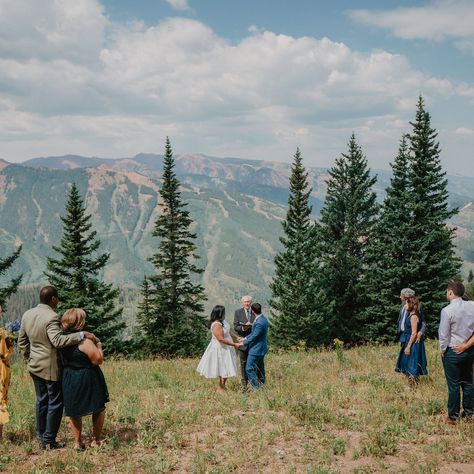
(243, 355)
(49, 408)
(458, 372)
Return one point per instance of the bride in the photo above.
(219, 359)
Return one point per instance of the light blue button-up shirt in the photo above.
(457, 323)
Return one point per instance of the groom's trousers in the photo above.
(255, 370)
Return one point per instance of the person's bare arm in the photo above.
(93, 351)
(414, 325)
(218, 332)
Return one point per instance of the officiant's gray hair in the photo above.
(408, 293)
(246, 298)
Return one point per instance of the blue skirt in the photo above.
(415, 363)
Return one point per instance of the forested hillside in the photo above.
(237, 206)
(237, 234)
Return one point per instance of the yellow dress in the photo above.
(6, 352)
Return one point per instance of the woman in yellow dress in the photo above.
(6, 352)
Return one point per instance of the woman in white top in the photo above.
(219, 359)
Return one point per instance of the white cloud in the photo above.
(464, 131)
(66, 29)
(130, 85)
(181, 5)
(438, 20)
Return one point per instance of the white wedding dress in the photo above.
(218, 360)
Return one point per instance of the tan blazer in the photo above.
(40, 336)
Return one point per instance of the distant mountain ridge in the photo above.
(236, 169)
(266, 179)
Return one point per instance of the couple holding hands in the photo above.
(220, 359)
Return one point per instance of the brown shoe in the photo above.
(449, 421)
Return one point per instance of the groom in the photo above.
(257, 345)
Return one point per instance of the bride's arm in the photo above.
(218, 332)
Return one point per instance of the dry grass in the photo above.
(318, 414)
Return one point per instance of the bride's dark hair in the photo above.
(217, 314)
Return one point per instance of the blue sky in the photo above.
(248, 78)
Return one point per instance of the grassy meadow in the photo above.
(321, 412)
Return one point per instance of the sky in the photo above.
(252, 79)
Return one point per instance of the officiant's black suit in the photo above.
(240, 318)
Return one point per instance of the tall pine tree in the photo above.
(347, 219)
(76, 274)
(413, 247)
(171, 320)
(389, 254)
(435, 262)
(7, 291)
(300, 310)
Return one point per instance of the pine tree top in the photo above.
(75, 272)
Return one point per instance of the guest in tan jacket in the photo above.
(40, 336)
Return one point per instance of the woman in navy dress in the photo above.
(412, 358)
(84, 388)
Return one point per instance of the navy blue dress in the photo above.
(84, 388)
(415, 363)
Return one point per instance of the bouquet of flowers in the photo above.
(11, 330)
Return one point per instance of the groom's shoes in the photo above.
(53, 445)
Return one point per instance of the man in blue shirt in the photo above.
(257, 348)
(455, 328)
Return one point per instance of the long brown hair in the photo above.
(413, 305)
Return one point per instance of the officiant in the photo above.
(243, 320)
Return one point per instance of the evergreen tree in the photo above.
(470, 285)
(301, 312)
(76, 274)
(139, 345)
(389, 254)
(347, 220)
(434, 262)
(470, 276)
(145, 306)
(413, 247)
(7, 291)
(172, 324)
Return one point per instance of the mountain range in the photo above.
(237, 206)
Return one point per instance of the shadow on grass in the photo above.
(125, 435)
(19, 437)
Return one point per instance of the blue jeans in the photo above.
(458, 372)
(49, 408)
(255, 370)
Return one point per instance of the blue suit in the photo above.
(257, 348)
